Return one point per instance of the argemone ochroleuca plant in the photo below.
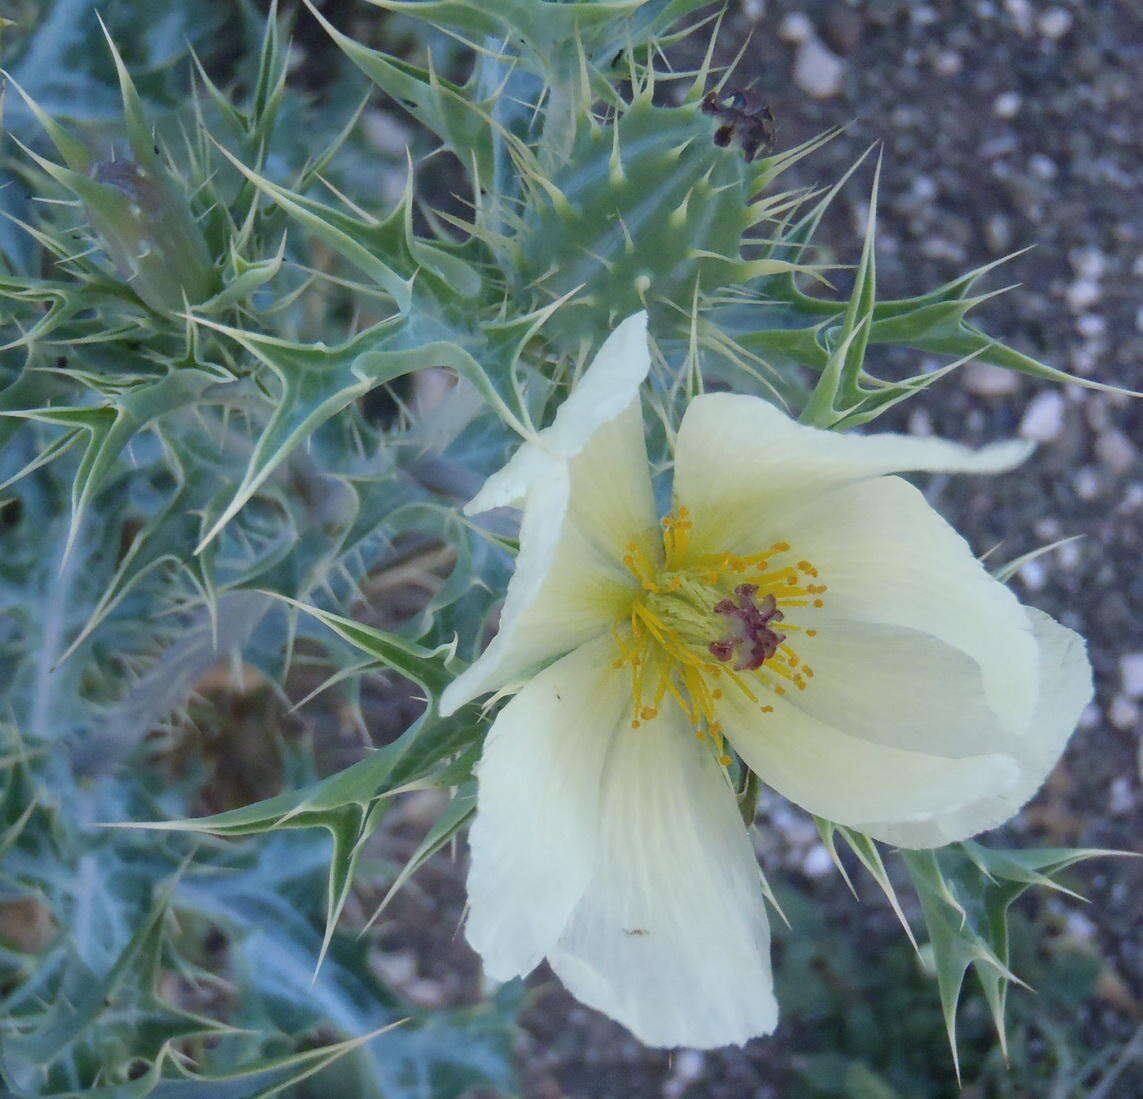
(801, 608)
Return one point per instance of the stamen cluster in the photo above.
(688, 634)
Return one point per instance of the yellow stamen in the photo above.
(679, 647)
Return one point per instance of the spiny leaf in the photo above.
(125, 997)
(459, 812)
(318, 381)
(110, 427)
(258, 1079)
(867, 852)
(348, 236)
(838, 389)
(965, 892)
(463, 124)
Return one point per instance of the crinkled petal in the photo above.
(586, 491)
(738, 459)
(916, 798)
(670, 936)
(888, 558)
(534, 839)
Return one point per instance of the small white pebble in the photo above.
(1086, 482)
(754, 9)
(1082, 293)
(920, 422)
(385, 133)
(1083, 358)
(1116, 451)
(1132, 499)
(1069, 555)
(817, 70)
(989, 380)
(1131, 669)
(1088, 263)
(1044, 417)
(1043, 167)
(1034, 575)
(1091, 326)
(1021, 12)
(1123, 713)
(923, 189)
(797, 828)
(1121, 799)
(1054, 23)
(998, 147)
(425, 993)
(686, 1067)
(397, 969)
(948, 63)
(818, 862)
(998, 233)
(1090, 717)
(1079, 926)
(1007, 105)
(796, 27)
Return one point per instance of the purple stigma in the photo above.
(751, 636)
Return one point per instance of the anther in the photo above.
(724, 760)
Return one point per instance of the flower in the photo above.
(800, 607)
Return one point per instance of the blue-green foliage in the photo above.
(191, 471)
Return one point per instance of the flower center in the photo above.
(705, 624)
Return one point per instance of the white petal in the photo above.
(887, 557)
(585, 498)
(607, 388)
(534, 838)
(916, 798)
(898, 687)
(1065, 689)
(738, 458)
(670, 937)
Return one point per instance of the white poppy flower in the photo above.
(800, 607)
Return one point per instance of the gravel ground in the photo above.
(1003, 124)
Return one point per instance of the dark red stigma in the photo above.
(752, 637)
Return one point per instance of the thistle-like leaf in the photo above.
(965, 892)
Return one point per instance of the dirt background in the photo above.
(1003, 123)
